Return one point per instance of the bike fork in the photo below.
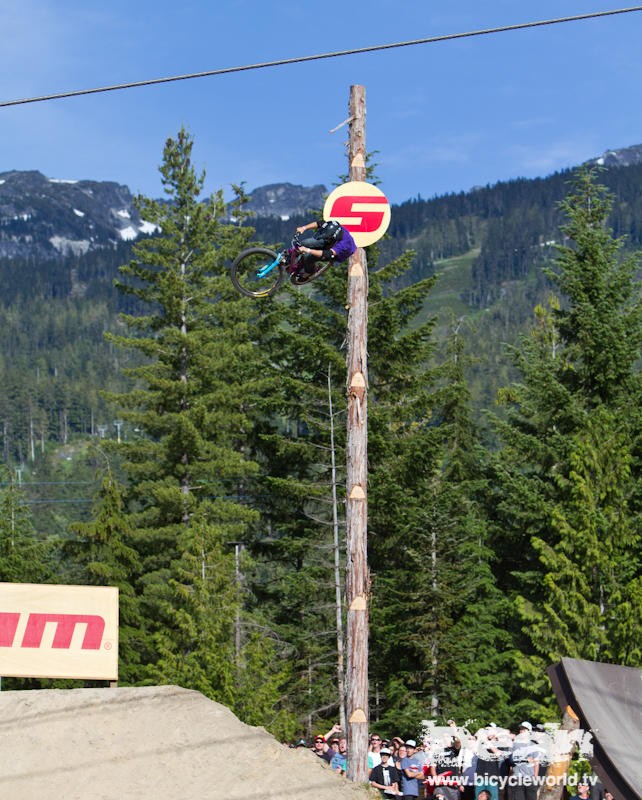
(265, 271)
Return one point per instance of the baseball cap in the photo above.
(319, 739)
(411, 743)
(301, 743)
(526, 725)
(384, 751)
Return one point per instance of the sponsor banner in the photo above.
(49, 631)
(361, 208)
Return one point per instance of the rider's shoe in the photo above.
(301, 277)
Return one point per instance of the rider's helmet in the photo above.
(331, 232)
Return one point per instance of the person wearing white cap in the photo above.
(411, 772)
(524, 759)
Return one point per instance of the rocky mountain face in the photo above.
(624, 157)
(285, 199)
(46, 218)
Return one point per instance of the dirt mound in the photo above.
(157, 742)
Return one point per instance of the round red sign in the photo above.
(361, 208)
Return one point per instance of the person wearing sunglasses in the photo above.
(374, 751)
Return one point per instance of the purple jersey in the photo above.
(344, 248)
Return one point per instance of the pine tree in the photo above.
(472, 647)
(404, 443)
(102, 553)
(569, 469)
(296, 497)
(198, 646)
(196, 401)
(443, 617)
(298, 492)
(422, 468)
(23, 558)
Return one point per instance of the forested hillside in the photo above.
(209, 430)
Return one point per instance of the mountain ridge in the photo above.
(285, 200)
(48, 218)
(622, 157)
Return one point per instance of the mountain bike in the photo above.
(261, 272)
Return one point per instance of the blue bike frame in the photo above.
(264, 271)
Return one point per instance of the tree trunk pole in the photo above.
(357, 580)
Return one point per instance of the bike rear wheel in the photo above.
(246, 272)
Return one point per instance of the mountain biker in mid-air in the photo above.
(260, 271)
(326, 241)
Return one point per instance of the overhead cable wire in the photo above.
(301, 59)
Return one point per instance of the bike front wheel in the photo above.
(251, 273)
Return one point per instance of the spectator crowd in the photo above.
(449, 763)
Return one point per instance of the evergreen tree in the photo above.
(199, 645)
(23, 558)
(442, 617)
(404, 444)
(297, 457)
(569, 469)
(295, 565)
(423, 466)
(472, 646)
(196, 400)
(102, 553)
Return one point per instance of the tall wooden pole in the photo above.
(357, 581)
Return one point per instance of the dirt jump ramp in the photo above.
(156, 742)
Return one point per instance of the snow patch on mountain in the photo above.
(77, 247)
(128, 233)
(148, 227)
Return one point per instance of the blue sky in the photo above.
(444, 117)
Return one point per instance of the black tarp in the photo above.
(608, 700)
